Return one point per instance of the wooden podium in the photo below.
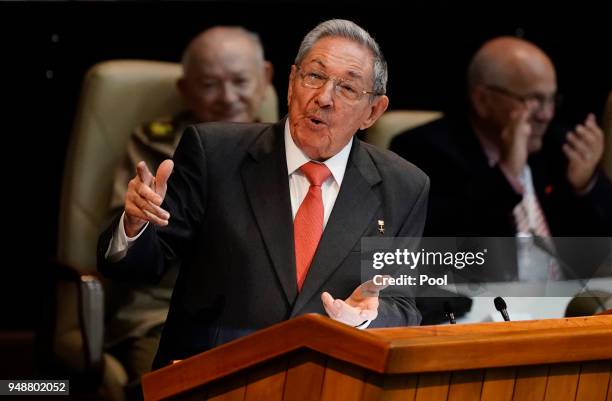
(314, 358)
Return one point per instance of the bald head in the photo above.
(224, 75)
(508, 75)
(508, 60)
(221, 40)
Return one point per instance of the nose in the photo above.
(325, 94)
(230, 93)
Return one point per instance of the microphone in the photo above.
(448, 312)
(550, 251)
(589, 303)
(501, 306)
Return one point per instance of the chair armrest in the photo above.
(90, 316)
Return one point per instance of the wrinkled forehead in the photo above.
(342, 57)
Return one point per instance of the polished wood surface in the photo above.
(562, 382)
(315, 358)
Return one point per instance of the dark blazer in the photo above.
(470, 198)
(231, 227)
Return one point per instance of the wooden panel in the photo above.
(305, 376)
(562, 382)
(342, 381)
(195, 395)
(594, 381)
(491, 327)
(432, 387)
(530, 383)
(373, 387)
(266, 383)
(399, 387)
(498, 384)
(610, 389)
(466, 385)
(428, 353)
(395, 351)
(230, 389)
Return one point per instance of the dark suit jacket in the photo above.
(231, 226)
(470, 198)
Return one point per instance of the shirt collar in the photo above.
(296, 158)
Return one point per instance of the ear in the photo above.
(479, 98)
(376, 109)
(291, 79)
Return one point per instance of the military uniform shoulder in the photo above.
(165, 128)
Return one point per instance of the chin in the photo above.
(534, 145)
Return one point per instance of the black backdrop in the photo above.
(47, 47)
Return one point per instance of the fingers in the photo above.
(143, 203)
(141, 200)
(161, 176)
(348, 313)
(519, 122)
(134, 211)
(579, 145)
(571, 154)
(514, 142)
(369, 289)
(331, 308)
(143, 173)
(586, 141)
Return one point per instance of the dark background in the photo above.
(47, 47)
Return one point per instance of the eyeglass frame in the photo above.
(336, 81)
(542, 101)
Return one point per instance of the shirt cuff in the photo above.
(120, 242)
(363, 325)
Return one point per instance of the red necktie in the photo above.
(308, 223)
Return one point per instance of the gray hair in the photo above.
(353, 32)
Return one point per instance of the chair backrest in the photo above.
(607, 127)
(116, 96)
(394, 122)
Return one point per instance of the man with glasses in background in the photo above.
(267, 219)
(505, 170)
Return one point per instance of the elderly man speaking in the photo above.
(267, 219)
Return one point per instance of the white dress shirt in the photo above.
(298, 188)
(299, 184)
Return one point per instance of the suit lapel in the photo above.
(353, 211)
(266, 181)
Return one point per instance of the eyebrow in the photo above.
(353, 74)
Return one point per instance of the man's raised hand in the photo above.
(144, 197)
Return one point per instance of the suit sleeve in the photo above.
(401, 310)
(159, 248)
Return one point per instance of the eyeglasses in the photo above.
(535, 100)
(344, 89)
